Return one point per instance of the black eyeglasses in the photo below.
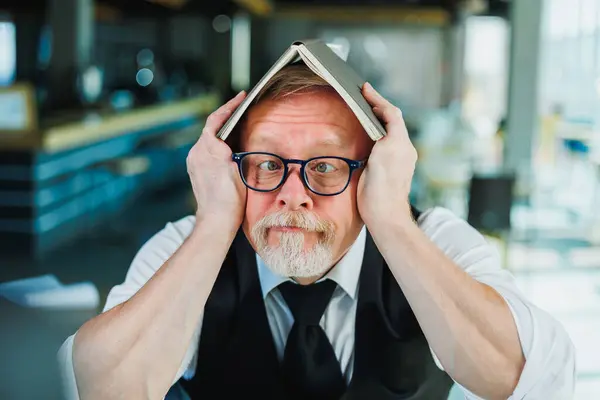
(325, 176)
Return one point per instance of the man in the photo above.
(333, 287)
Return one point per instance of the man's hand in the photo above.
(384, 186)
(449, 304)
(220, 194)
(136, 348)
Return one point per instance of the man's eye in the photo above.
(324, 168)
(268, 165)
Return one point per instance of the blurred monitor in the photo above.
(490, 202)
(17, 109)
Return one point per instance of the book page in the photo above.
(311, 65)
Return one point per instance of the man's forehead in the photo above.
(300, 105)
(322, 115)
(328, 134)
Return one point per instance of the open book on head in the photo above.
(323, 61)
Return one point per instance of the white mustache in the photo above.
(301, 220)
(298, 219)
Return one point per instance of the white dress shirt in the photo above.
(549, 371)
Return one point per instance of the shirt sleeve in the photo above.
(152, 255)
(550, 366)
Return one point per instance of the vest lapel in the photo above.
(252, 352)
(392, 357)
(367, 365)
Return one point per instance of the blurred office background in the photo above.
(100, 101)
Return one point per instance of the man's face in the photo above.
(297, 232)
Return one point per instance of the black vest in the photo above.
(237, 356)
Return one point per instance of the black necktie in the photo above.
(310, 367)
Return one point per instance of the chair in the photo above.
(490, 204)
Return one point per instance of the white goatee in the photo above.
(290, 258)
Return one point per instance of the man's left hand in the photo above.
(384, 185)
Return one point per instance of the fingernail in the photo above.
(240, 93)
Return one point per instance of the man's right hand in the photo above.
(141, 346)
(220, 193)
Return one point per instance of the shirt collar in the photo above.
(346, 272)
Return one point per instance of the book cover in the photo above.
(326, 62)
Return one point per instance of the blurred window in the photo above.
(8, 53)
(486, 73)
(570, 59)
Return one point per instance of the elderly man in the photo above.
(305, 273)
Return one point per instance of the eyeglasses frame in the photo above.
(353, 164)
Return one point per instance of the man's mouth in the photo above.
(286, 229)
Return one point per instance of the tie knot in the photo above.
(307, 302)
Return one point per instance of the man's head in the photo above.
(299, 116)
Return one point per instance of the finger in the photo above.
(374, 98)
(383, 109)
(394, 123)
(389, 115)
(216, 120)
(208, 152)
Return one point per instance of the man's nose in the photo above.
(293, 195)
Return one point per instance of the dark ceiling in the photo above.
(129, 7)
(216, 7)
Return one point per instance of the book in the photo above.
(47, 292)
(324, 61)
